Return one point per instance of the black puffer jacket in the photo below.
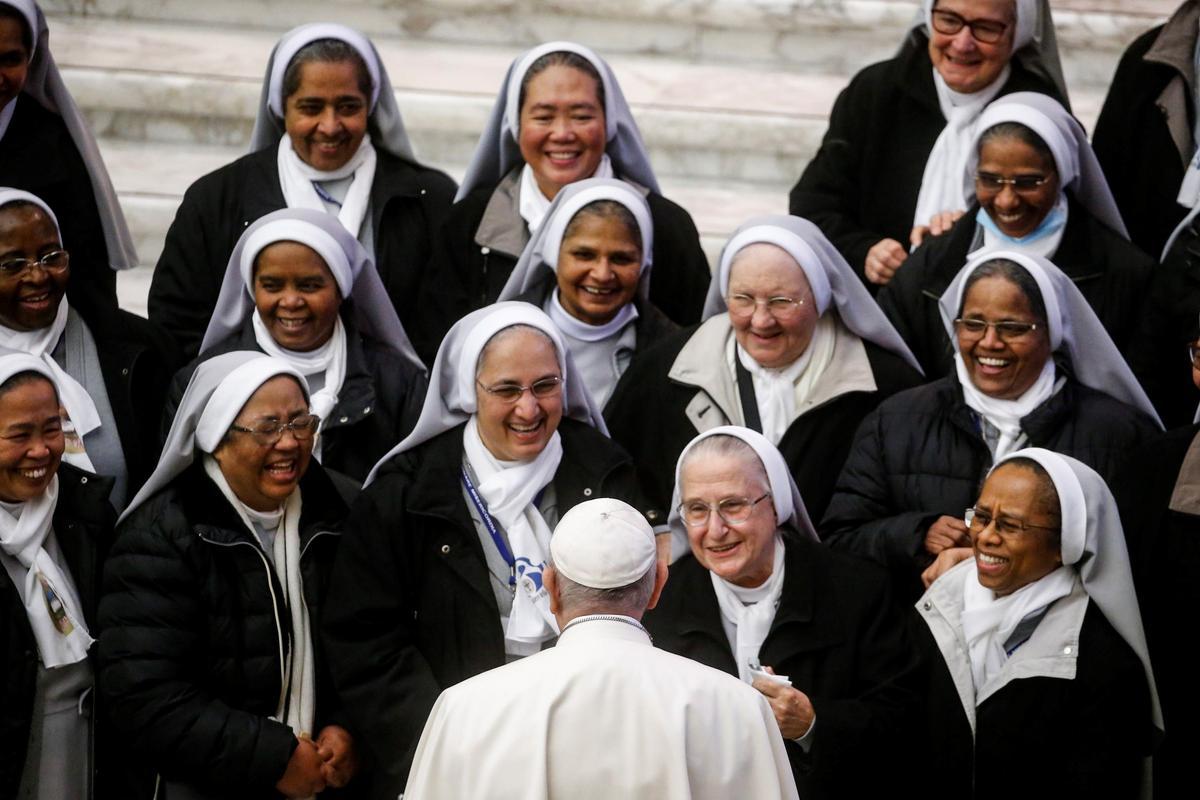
(193, 630)
(920, 455)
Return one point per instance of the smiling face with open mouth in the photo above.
(599, 264)
(1002, 368)
(742, 553)
(1017, 212)
(326, 117)
(296, 295)
(1018, 498)
(517, 430)
(965, 63)
(562, 136)
(263, 476)
(29, 300)
(31, 437)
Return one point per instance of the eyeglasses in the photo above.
(268, 432)
(1022, 184)
(512, 392)
(977, 521)
(987, 31)
(1194, 354)
(1007, 330)
(54, 261)
(779, 307)
(734, 510)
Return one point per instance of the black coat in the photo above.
(1133, 142)
(193, 628)
(38, 156)
(378, 405)
(83, 527)
(1111, 273)
(1164, 543)
(464, 276)
(862, 184)
(646, 415)
(1043, 738)
(839, 640)
(921, 455)
(411, 609)
(408, 203)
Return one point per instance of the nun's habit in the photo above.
(110, 371)
(499, 206)
(449, 536)
(1049, 686)
(47, 148)
(701, 378)
(919, 456)
(382, 195)
(51, 548)
(899, 138)
(1083, 234)
(367, 382)
(601, 352)
(211, 663)
(860, 681)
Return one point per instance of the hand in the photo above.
(304, 776)
(946, 532)
(793, 711)
(883, 259)
(335, 746)
(944, 561)
(938, 224)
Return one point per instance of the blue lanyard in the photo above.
(481, 507)
(324, 195)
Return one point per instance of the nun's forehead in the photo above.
(19, 214)
(768, 259)
(487, 351)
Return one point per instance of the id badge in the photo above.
(54, 604)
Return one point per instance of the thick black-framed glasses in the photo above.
(268, 432)
(987, 31)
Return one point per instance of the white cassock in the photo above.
(602, 714)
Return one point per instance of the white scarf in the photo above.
(296, 180)
(1006, 415)
(779, 392)
(751, 612)
(297, 706)
(48, 592)
(508, 490)
(82, 416)
(329, 359)
(988, 621)
(944, 186)
(533, 205)
(578, 329)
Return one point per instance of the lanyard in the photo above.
(490, 524)
(324, 195)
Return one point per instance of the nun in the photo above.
(47, 148)
(111, 367)
(1034, 368)
(56, 526)
(299, 287)
(588, 268)
(899, 135)
(328, 137)
(814, 631)
(1039, 671)
(560, 117)
(440, 576)
(1037, 188)
(792, 346)
(210, 660)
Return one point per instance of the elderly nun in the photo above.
(299, 287)
(56, 526)
(792, 346)
(47, 148)
(560, 117)
(209, 652)
(328, 137)
(814, 631)
(1040, 675)
(1038, 189)
(440, 576)
(111, 367)
(900, 134)
(1033, 367)
(588, 267)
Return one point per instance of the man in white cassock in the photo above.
(603, 713)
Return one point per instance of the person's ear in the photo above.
(550, 582)
(660, 581)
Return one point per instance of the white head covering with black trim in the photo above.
(44, 83)
(498, 151)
